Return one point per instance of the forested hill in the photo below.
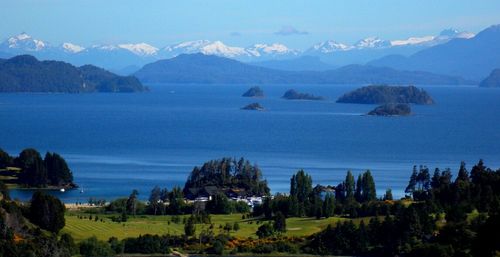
(24, 73)
(228, 176)
(208, 69)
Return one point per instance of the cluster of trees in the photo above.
(476, 190)
(228, 173)
(43, 212)
(440, 222)
(37, 172)
(349, 197)
(165, 202)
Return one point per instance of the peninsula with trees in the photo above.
(30, 170)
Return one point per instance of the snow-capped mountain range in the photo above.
(118, 56)
(331, 46)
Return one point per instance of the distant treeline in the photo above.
(33, 171)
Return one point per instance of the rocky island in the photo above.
(253, 107)
(294, 95)
(383, 94)
(24, 73)
(391, 109)
(493, 80)
(254, 92)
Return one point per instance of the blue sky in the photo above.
(298, 24)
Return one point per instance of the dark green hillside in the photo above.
(24, 73)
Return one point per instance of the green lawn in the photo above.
(140, 225)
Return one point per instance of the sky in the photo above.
(298, 24)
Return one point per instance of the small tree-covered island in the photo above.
(383, 94)
(253, 107)
(254, 92)
(294, 95)
(391, 109)
(226, 208)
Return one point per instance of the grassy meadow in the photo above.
(147, 224)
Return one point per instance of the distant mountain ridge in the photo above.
(24, 73)
(471, 58)
(200, 68)
(127, 54)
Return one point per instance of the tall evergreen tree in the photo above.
(329, 205)
(388, 194)
(58, 171)
(349, 186)
(413, 181)
(47, 212)
(463, 174)
(301, 189)
(155, 199)
(359, 189)
(34, 173)
(369, 192)
(176, 201)
(132, 202)
(5, 159)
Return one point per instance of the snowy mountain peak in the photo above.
(454, 33)
(141, 49)
(22, 36)
(72, 48)
(412, 41)
(275, 49)
(219, 48)
(24, 42)
(372, 42)
(104, 47)
(330, 46)
(188, 46)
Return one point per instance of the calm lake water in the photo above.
(118, 142)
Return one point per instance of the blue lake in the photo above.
(118, 142)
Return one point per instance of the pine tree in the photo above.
(349, 186)
(155, 199)
(369, 192)
(359, 189)
(329, 205)
(413, 181)
(388, 195)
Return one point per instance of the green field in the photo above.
(140, 225)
